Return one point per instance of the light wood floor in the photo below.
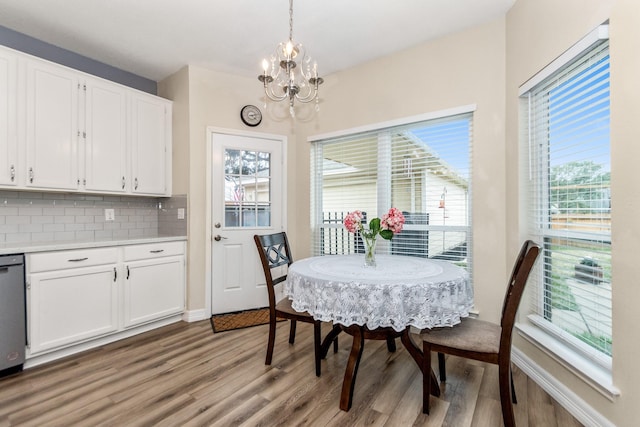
(183, 375)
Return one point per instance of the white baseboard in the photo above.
(194, 315)
(575, 405)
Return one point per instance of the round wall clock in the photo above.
(251, 115)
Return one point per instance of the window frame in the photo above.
(384, 196)
(588, 363)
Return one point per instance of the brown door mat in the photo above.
(240, 319)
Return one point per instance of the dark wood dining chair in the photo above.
(484, 341)
(275, 254)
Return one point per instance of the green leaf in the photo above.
(374, 225)
(386, 234)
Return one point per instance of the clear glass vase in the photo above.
(369, 251)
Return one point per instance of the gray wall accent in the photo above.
(44, 50)
(34, 217)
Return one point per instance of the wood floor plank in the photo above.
(521, 410)
(487, 413)
(463, 396)
(541, 411)
(184, 375)
(404, 413)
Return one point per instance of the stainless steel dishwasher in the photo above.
(12, 314)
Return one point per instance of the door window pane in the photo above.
(247, 188)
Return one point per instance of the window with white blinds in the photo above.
(569, 201)
(423, 169)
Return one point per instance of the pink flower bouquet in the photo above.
(390, 224)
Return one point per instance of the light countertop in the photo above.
(31, 247)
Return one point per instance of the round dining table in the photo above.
(380, 302)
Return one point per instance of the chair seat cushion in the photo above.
(469, 335)
(284, 306)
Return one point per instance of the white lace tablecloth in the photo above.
(398, 292)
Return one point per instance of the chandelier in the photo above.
(289, 73)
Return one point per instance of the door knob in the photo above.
(218, 237)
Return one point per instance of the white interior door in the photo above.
(247, 198)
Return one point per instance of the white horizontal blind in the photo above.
(569, 191)
(422, 168)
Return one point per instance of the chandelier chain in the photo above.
(291, 20)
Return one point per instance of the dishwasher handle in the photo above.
(9, 260)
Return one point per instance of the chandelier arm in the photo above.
(310, 97)
(272, 96)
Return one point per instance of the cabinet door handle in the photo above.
(123, 182)
(31, 175)
(12, 170)
(135, 184)
(115, 274)
(157, 251)
(78, 259)
(127, 272)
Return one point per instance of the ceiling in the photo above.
(155, 38)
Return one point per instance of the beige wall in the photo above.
(204, 98)
(425, 79)
(537, 32)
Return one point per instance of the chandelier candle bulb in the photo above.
(289, 50)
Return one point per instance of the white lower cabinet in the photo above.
(82, 295)
(154, 285)
(68, 306)
(72, 296)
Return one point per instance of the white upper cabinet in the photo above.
(150, 144)
(105, 137)
(8, 118)
(64, 130)
(51, 126)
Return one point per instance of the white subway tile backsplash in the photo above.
(136, 233)
(94, 226)
(29, 211)
(84, 235)
(16, 219)
(30, 228)
(8, 210)
(64, 236)
(83, 219)
(53, 227)
(43, 217)
(94, 211)
(120, 234)
(9, 228)
(74, 211)
(112, 225)
(53, 211)
(64, 220)
(74, 227)
(18, 237)
(42, 237)
(103, 234)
